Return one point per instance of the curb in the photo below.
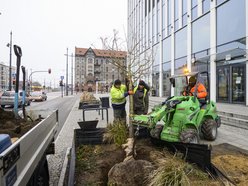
(64, 171)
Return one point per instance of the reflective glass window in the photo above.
(158, 20)
(176, 22)
(231, 21)
(201, 34)
(167, 49)
(205, 6)
(240, 43)
(169, 16)
(220, 1)
(193, 9)
(180, 64)
(184, 4)
(181, 43)
(166, 80)
(194, 3)
(156, 54)
(155, 79)
(163, 11)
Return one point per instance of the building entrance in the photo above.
(231, 83)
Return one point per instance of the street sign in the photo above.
(61, 77)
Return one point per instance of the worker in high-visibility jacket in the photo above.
(141, 98)
(201, 92)
(118, 94)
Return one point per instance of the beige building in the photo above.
(4, 76)
(95, 65)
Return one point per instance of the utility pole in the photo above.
(72, 74)
(66, 80)
(10, 61)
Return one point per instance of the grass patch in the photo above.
(175, 171)
(86, 156)
(116, 133)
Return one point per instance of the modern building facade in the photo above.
(201, 35)
(4, 76)
(96, 65)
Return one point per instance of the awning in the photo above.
(226, 55)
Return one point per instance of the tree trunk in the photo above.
(131, 112)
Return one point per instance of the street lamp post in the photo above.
(66, 80)
(72, 74)
(10, 60)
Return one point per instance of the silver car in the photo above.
(8, 98)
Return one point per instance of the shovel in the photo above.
(18, 53)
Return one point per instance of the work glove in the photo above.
(130, 92)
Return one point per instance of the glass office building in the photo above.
(201, 35)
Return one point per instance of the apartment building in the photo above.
(96, 65)
(4, 76)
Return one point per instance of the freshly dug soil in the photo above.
(95, 163)
(14, 127)
(232, 161)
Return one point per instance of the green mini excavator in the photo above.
(182, 118)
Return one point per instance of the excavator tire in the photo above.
(189, 136)
(209, 129)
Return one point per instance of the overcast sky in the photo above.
(45, 28)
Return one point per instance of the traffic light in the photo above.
(49, 71)
(14, 82)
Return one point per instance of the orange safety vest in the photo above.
(201, 91)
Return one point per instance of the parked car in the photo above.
(27, 98)
(38, 96)
(8, 98)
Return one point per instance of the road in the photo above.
(54, 102)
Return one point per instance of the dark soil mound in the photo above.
(13, 126)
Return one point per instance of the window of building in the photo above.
(156, 53)
(106, 69)
(231, 21)
(155, 78)
(176, 12)
(201, 34)
(166, 80)
(184, 18)
(169, 16)
(146, 7)
(239, 43)
(163, 11)
(167, 49)
(158, 21)
(205, 6)
(149, 6)
(181, 43)
(153, 27)
(193, 9)
(218, 2)
(180, 64)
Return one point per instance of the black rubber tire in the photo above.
(3, 106)
(189, 136)
(155, 133)
(209, 129)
